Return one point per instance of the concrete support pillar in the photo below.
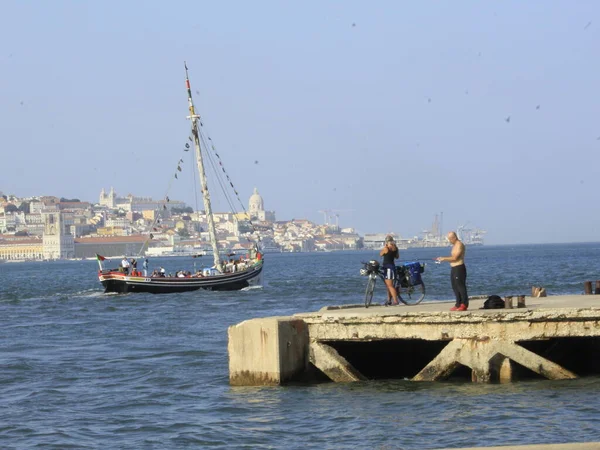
(486, 358)
(442, 365)
(501, 369)
(331, 363)
(506, 371)
(267, 351)
(535, 363)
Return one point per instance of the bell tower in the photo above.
(57, 242)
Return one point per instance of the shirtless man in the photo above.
(458, 272)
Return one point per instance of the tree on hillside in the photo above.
(10, 208)
(25, 207)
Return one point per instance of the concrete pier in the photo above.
(556, 337)
(267, 351)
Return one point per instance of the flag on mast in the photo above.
(100, 258)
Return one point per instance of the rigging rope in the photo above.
(220, 163)
(205, 147)
(165, 200)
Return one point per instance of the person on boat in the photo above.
(133, 267)
(390, 253)
(125, 265)
(162, 271)
(145, 266)
(230, 266)
(458, 272)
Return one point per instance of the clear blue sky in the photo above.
(390, 111)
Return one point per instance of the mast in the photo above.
(203, 184)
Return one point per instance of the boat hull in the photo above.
(121, 283)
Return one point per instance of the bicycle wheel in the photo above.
(412, 295)
(369, 291)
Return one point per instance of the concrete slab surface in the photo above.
(558, 302)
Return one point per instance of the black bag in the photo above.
(493, 302)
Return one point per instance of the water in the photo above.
(82, 369)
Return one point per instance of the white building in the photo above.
(136, 204)
(256, 208)
(57, 242)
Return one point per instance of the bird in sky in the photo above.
(507, 119)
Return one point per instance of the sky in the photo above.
(385, 112)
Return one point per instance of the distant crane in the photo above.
(328, 214)
(461, 229)
(325, 213)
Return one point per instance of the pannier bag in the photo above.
(401, 275)
(415, 269)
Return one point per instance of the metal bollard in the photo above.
(521, 302)
(597, 291)
(587, 288)
(508, 303)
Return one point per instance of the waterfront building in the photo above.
(376, 240)
(58, 242)
(14, 248)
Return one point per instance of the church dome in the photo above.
(256, 202)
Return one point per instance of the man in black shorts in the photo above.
(458, 272)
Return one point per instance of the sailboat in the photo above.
(234, 276)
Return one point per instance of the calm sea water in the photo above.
(82, 369)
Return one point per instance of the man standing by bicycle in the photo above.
(458, 272)
(390, 253)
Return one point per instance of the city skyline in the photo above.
(390, 112)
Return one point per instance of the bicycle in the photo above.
(408, 281)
